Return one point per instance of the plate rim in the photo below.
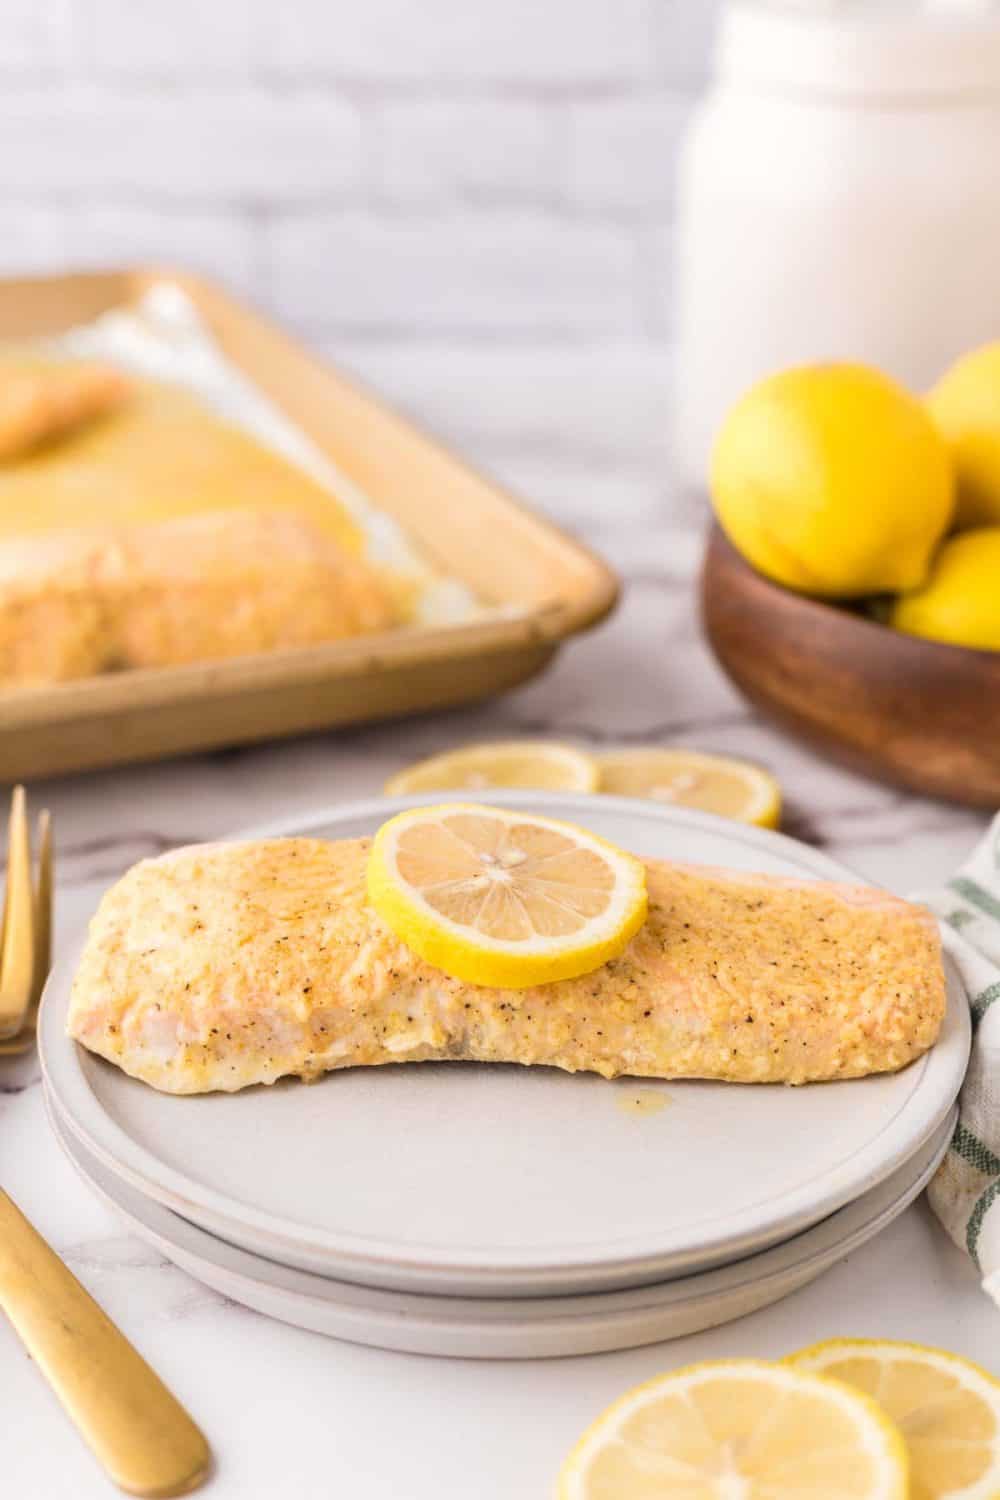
(361, 1258)
(791, 1262)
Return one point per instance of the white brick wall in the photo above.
(468, 202)
(622, 151)
(472, 152)
(221, 245)
(542, 400)
(457, 41)
(34, 35)
(32, 236)
(506, 272)
(188, 39)
(238, 147)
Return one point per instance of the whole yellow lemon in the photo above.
(960, 602)
(833, 480)
(965, 404)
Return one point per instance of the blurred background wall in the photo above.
(467, 202)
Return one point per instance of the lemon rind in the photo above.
(941, 1358)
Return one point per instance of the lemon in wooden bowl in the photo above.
(960, 601)
(834, 481)
(965, 404)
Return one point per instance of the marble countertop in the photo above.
(293, 1413)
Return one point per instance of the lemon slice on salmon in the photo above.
(686, 778)
(947, 1409)
(738, 1428)
(503, 898)
(541, 764)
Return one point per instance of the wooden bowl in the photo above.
(916, 713)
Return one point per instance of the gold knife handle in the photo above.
(140, 1433)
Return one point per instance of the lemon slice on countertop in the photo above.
(738, 1428)
(686, 778)
(504, 898)
(541, 764)
(947, 1409)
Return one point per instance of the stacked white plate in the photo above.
(509, 1212)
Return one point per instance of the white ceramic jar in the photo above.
(838, 198)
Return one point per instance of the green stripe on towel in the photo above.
(974, 1227)
(983, 1001)
(976, 895)
(971, 1149)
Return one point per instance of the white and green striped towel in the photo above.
(965, 1194)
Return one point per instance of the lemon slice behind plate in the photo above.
(947, 1409)
(503, 898)
(738, 1428)
(542, 764)
(686, 778)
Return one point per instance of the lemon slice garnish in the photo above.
(686, 778)
(947, 1409)
(738, 1428)
(513, 763)
(503, 898)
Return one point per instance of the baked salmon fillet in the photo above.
(201, 588)
(41, 403)
(220, 966)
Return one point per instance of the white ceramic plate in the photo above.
(495, 1328)
(502, 1181)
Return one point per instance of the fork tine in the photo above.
(17, 959)
(25, 1038)
(43, 906)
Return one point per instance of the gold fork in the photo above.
(26, 933)
(140, 1433)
